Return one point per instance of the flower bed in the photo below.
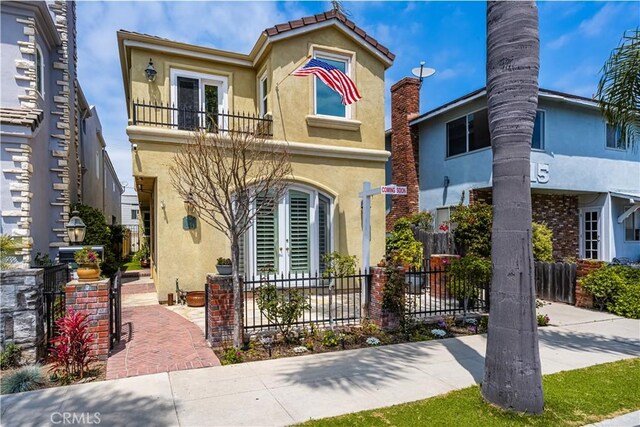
(314, 340)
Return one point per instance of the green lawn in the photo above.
(572, 398)
(132, 265)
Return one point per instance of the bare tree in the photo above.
(230, 179)
(512, 378)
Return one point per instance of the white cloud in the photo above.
(593, 26)
(559, 42)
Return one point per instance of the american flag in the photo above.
(332, 77)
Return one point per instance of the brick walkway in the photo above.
(155, 339)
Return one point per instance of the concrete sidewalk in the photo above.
(286, 391)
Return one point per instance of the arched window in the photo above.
(39, 71)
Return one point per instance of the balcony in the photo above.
(172, 117)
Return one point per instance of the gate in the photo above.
(115, 310)
(55, 279)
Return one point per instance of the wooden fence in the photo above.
(556, 281)
(434, 243)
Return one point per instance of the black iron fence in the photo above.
(331, 300)
(115, 310)
(182, 118)
(53, 292)
(436, 292)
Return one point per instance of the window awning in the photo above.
(635, 204)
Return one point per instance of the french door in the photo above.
(199, 102)
(290, 238)
(591, 234)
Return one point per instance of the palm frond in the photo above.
(619, 88)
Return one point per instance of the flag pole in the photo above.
(284, 132)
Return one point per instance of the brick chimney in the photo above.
(405, 105)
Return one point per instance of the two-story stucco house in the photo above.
(333, 148)
(584, 184)
(48, 147)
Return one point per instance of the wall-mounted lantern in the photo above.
(76, 229)
(150, 71)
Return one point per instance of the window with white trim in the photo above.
(39, 71)
(264, 94)
(199, 99)
(326, 101)
(632, 226)
(471, 132)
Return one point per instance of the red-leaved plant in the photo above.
(70, 349)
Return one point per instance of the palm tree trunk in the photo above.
(513, 377)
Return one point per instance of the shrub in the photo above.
(627, 301)
(402, 247)
(231, 356)
(330, 339)
(469, 275)
(143, 253)
(70, 351)
(10, 356)
(24, 379)
(8, 248)
(543, 320)
(41, 260)
(338, 265)
(605, 284)
(223, 261)
(542, 239)
(423, 220)
(472, 232)
(281, 307)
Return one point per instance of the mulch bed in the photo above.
(97, 372)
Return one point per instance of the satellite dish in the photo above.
(423, 72)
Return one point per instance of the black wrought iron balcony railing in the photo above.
(172, 117)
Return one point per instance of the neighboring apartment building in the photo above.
(584, 185)
(41, 111)
(333, 148)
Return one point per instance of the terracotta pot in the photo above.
(195, 298)
(88, 272)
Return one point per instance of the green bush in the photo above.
(10, 356)
(338, 265)
(281, 307)
(402, 247)
(330, 339)
(542, 239)
(231, 356)
(627, 302)
(605, 285)
(471, 227)
(24, 379)
(423, 220)
(543, 320)
(469, 275)
(8, 248)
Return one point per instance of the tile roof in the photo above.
(30, 117)
(327, 16)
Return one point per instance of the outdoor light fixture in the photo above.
(76, 228)
(150, 71)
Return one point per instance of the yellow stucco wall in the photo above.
(190, 255)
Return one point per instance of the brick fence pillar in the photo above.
(585, 267)
(377, 314)
(438, 275)
(93, 299)
(220, 316)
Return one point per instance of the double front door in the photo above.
(290, 238)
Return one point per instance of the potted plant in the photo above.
(142, 255)
(405, 250)
(224, 266)
(467, 277)
(88, 264)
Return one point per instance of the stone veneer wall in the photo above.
(21, 194)
(21, 312)
(559, 212)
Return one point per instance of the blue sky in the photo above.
(576, 38)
